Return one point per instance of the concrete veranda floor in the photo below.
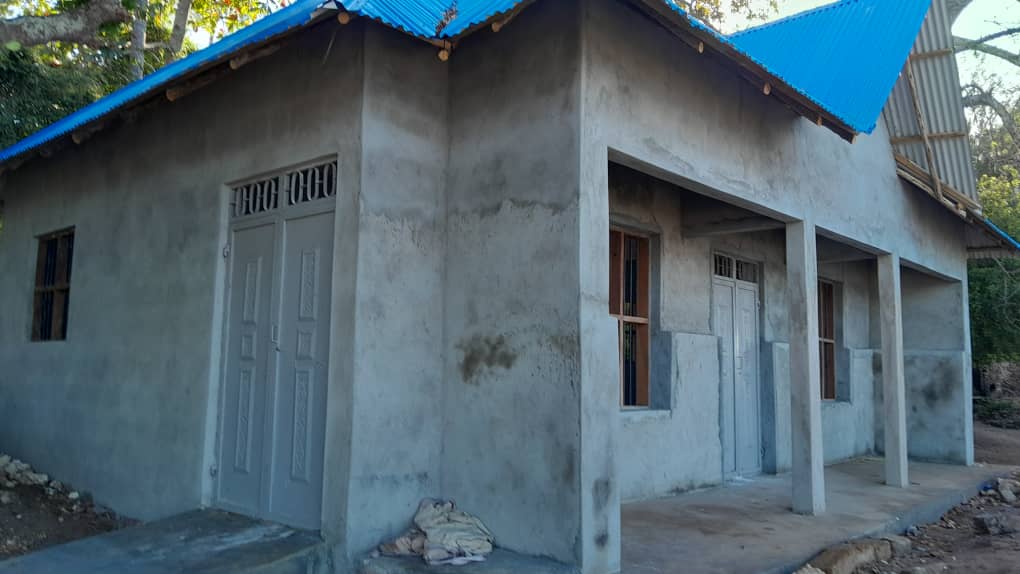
(748, 527)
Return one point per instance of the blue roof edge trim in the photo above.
(1003, 235)
(297, 14)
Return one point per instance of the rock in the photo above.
(933, 568)
(34, 478)
(1008, 489)
(6, 497)
(57, 486)
(846, 558)
(912, 531)
(995, 523)
(809, 569)
(73, 495)
(900, 544)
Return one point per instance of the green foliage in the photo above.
(995, 285)
(1002, 413)
(34, 93)
(42, 84)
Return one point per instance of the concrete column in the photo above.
(893, 385)
(805, 385)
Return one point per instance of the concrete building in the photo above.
(316, 273)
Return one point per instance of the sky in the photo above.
(977, 20)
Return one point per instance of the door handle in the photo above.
(275, 337)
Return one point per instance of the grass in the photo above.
(1002, 413)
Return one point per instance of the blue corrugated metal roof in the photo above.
(844, 56)
(296, 14)
(434, 19)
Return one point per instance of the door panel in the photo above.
(746, 381)
(247, 369)
(303, 354)
(722, 319)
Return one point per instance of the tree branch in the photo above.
(80, 25)
(975, 97)
(964, 44)
(955, 8)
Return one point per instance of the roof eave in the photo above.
(767, 82)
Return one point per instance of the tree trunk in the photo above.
(80, 25)
(138, 39)
(180, 27)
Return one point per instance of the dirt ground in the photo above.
(33, 517)
(956, 543)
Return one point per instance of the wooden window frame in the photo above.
(638, 318)
(827, 340)
(57, 289)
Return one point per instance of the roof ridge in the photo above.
(799, 15)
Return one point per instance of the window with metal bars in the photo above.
(827, 339)
(628, 303)
(52, 286)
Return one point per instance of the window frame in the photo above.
(59, 289)
(640, 320)
(827, 338)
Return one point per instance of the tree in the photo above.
(124, 24)
(714, 12)
(59, 55)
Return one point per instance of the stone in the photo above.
(995, 523)
(6, 497)
(1008, 489)
(809, 569)
(73, 495)
(900, 544)
(846, 558)
(933, 568)
(912, 531)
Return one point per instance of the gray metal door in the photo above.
(274, 399)
(722, 319)
(746, 380)
(248, 375)
(295, 494)
(735, 322)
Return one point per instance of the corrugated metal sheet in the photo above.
(844, 56)
(433, 19)
(297, 14)
(841, 57)
(938, 90)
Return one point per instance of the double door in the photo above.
(735, 322)
(273, 407)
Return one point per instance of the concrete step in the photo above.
(200, 542)
(499, 562)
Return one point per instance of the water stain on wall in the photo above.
(481, 352)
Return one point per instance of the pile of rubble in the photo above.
(14, 473)
(934, 548)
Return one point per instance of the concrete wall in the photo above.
(120, 407)
(937, 368)
(675, 445)
(396, 405)
(511, 381)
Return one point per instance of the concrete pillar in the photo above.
(805, 385)
(893, 385)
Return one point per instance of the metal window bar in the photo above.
(295, 186)
(53, 284)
